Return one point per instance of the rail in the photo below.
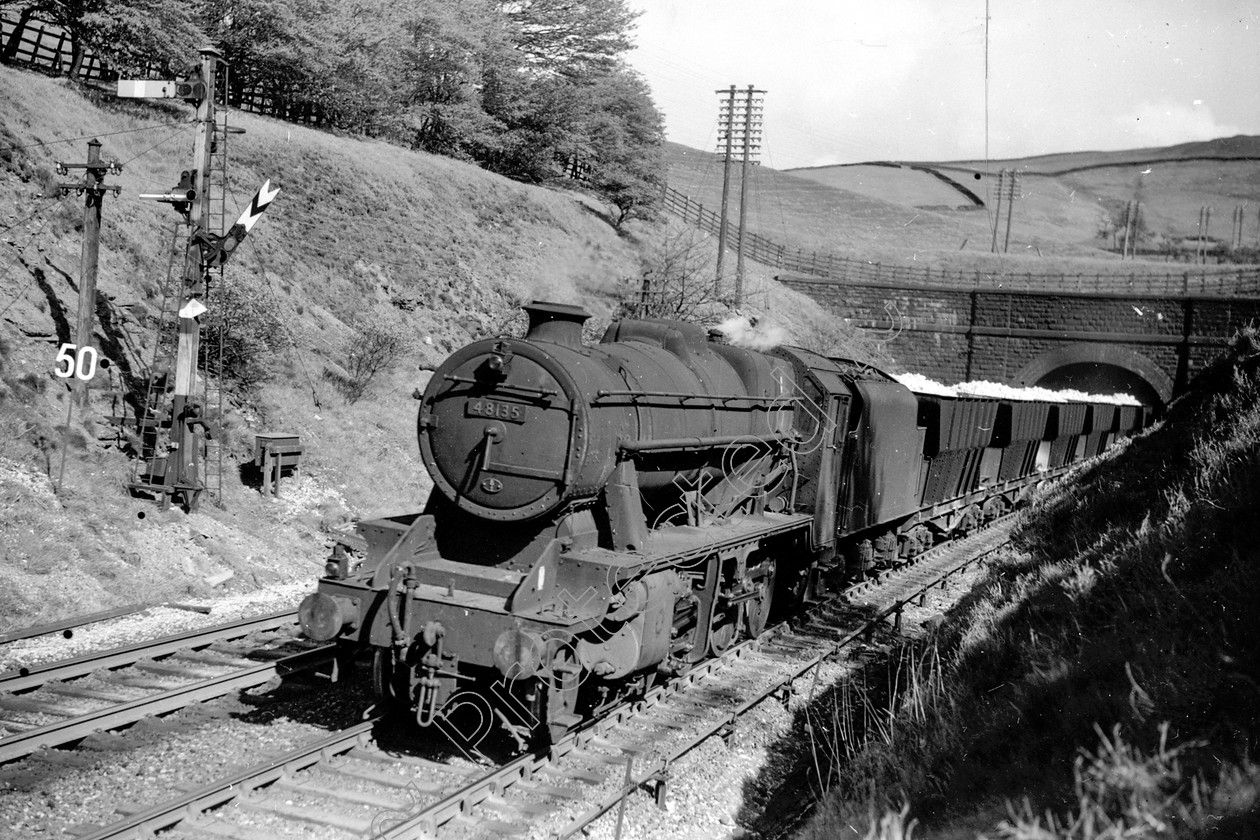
(34, 676)
(25, 737)
(117, 716)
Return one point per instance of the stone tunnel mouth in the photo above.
(1096, 378)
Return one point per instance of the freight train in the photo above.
(606, 515)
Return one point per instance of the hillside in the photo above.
(1062, 202)
(361, 233)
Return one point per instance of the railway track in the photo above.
(348, 785)
(68, 627)
(58, 703)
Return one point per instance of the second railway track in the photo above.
(347, 785)
(58, 703)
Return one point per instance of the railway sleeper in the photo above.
(618, 745)
(513, 806)
(308, 814)
(500, 827)
(553, 791)
(70, 689)
(380, 777)
(357, 797)
(214, 828)
(185, 672)
(27, 704)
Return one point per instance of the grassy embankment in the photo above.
(1103, 679)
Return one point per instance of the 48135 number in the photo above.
(496, 410)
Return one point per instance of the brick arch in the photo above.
(1099, 354)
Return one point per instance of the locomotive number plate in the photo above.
(497, 410)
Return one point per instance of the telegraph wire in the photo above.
(93, 136)
(48, 203)
(167, 139)
(22, 247)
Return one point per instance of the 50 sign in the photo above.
(80, 364)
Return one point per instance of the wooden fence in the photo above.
(1228, 283)
(49, 47)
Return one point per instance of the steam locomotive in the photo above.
(605, 515)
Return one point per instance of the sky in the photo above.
(849, 81)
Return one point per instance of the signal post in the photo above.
(181, 474)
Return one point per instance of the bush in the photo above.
(246, 315)
(377, 342)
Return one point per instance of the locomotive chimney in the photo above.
(558, 323)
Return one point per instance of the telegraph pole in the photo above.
(93, 191)
(749, 132)
(1012, 180)
(997, 211)
(748, 124)
(1130, 230)
(1205, 219)
(724, 118)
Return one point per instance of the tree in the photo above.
(443, 62)
(278, 48)
(624, 139)
(569, 36)
(123, 32)
(677, 281)
(134, 34)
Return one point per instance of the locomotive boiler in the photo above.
(607, 514)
